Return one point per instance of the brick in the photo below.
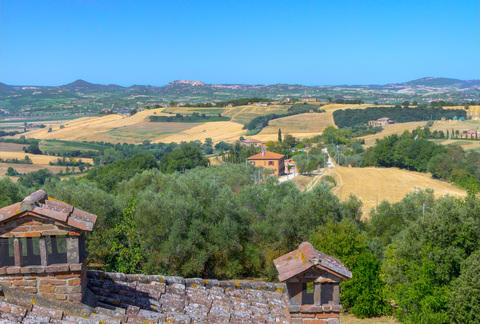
(13, 270)
(328, 315)
(75, 297)
(30, 234)
(68, 289)
(3, 270)
(31, 290)
(43, 227)
(50, 312)
(55, 296)
(31, 283)
(67, 275)
(6, 283)
(57, 268)
(314, 321)
(47, 289)
(74, 282)
(52, 282)
(74, 233)
(302, 315)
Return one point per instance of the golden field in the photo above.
(377, 184)
(390, 130)
(14, 151)
(300, 126)
(226, 131)
(36, 159)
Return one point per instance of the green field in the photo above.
(61, 147)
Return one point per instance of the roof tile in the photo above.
(267, 156)
(306, 257)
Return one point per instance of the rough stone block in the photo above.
(311, 309)
(14, 309)
(57, 268)
(55, 296)
(52, 313)
(32, 269)
(13, 270)
(76, 267)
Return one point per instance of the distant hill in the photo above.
(5, 87)
(84, 85)
(91, 97)
(442, 82)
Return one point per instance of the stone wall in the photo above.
(179, 300)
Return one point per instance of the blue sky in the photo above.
(318, 42)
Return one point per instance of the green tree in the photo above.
(465, 290)
(279, 135)
(126, 253)
(187, 156)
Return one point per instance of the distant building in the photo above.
(269, 160)
(309, 99)
(381, 122)
(251, 141)
(471, 133)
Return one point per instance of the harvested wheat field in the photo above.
(472, 111)
(26, 168)
(390, 130)
(300, 126)
(461, 126)
(226, 131)
(11, 147)
(36, 159)
(110, 128)
(244, 114)
(392, 184)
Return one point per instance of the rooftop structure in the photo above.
(313, 285)
(42, 247)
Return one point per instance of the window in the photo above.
(56, 249)
(270, 162)
(6, 252)
(30, 251)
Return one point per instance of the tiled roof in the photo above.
(251, 140)
(120, 298)
(267, 156)
(39, 203)
(306, 257)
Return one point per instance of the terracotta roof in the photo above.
(306, 257)
(384, 118)
(268, 156)
(251, 140)
(39, 203)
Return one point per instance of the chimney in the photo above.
(263, 150)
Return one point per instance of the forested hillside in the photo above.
(420, 255)
(399, 114)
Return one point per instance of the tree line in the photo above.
(351, 117)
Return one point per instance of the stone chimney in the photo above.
(312, 285)
(42, 247)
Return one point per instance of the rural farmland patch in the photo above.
(377, 184)
(301, 126)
